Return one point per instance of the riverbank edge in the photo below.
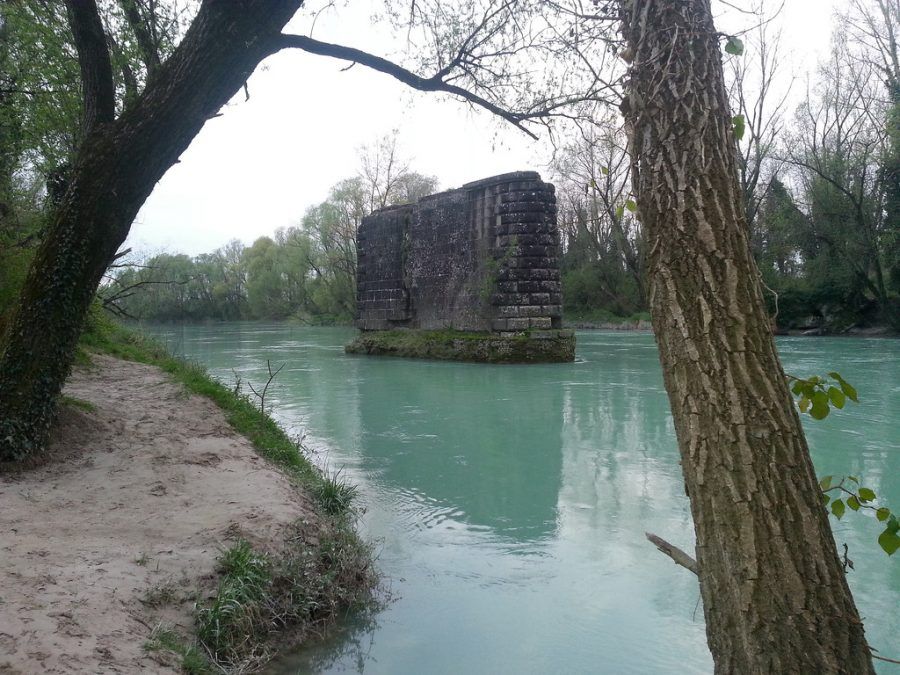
(545, 346)
(286, 593)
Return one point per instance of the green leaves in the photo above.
(631, 205)
(738, 124)
(866, 495)
(837, 397)
(734, 46)
(889, 540)
(859, 499)
(820, 409)
(816, 395)
(846, 388)
(837, 508)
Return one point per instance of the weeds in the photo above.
(300, 589)
(160, 595)
(335, 493)
(232, 628)
(79, 403)
(193, 662)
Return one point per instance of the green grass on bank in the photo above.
(269, 440)
(294, 588)
(602, 317)
(538, 346)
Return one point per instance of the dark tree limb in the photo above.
(146, 43)
(435, 83)
(93, 57)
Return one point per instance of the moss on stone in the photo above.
(550, 346)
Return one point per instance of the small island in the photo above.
(470, 274)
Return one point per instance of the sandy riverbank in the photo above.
(133, 507)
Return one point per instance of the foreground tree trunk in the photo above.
(775, 597)
(118, 164)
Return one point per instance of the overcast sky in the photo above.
(261, 164)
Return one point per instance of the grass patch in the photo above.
(81, 404)
(602, 317)
(550, 346)
(189, 656)
(335, 494)
(296, 592)
(161, 595)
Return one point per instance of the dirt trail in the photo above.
(132, 512)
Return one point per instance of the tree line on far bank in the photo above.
(305, 272)
(821, 191)
(821, 186)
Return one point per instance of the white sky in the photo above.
(265, 161)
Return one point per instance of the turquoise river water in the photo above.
(508, 504)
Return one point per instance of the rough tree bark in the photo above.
(774, 593)
(117, 166)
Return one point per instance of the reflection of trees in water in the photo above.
(477, 439)
(619, 452)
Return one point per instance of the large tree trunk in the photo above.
(774, 593)
(115, 170)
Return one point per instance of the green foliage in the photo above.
(335, 493)
(262, 595)
(738, 125)
(734, 46)
(235, 616)
(306, 272)
(193, 661)
(860, 498)
(815, 396)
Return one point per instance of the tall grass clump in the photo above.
(285, 597)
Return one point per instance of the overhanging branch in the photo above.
(436, 83)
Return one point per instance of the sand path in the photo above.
(133, 509)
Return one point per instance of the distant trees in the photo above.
(602, 262)
(306, 271)
(821, 187)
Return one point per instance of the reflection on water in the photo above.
(509, 502)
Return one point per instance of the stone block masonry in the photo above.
(482, 258)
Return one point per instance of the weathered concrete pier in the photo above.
(471, 273)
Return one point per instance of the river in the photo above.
(508, 504)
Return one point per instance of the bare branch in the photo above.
(678, 556)
(407, 77)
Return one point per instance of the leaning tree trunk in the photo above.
(774, 593)
(115, 170)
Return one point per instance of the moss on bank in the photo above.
(604, 320)
(551, 346)
(269, 598)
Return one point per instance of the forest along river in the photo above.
(509, 503)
